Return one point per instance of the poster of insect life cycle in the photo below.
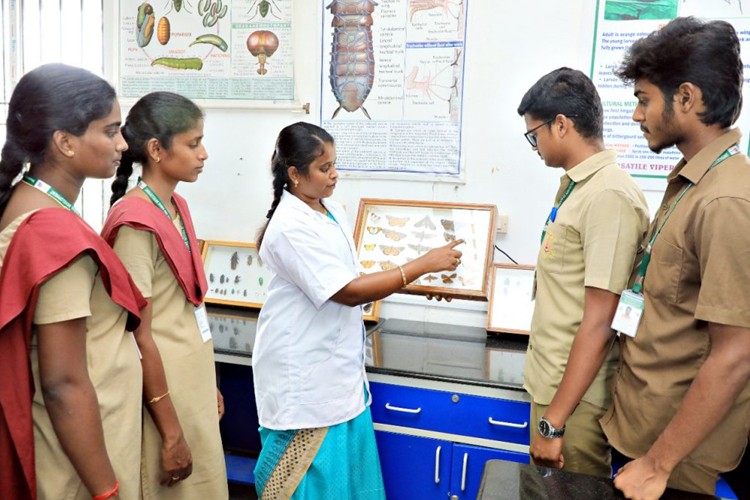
(235, 274)
(216, 50)
(390, 233)
(392, 84)
(619, 23)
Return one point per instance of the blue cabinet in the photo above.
(433, 443)
(414, 466)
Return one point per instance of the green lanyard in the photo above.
(156, 201)
(49, 191)
(553, 213)
(638, 285)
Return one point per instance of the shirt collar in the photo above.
(295, 203)
(696, 168)
(591, 165)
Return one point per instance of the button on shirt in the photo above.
(592, 243)
(308, 358)
(698, 273)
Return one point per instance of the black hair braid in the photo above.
(280, 180)
(120, 184)
(11, 165)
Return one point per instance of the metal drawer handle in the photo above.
(508, 424)
(437, 465)
(402, 410)
(463, 472)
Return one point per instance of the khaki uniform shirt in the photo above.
(189, 368)
(113, 367)
(592, 243)
(699, 273)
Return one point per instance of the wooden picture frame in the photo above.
(236, 276)
(390, 233)
(232, 333)
(511, 305)
(371, 311)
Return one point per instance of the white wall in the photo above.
(509, 46)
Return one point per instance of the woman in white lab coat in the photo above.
(308, 359)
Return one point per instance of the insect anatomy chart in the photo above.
(235, 50)
(392, 84)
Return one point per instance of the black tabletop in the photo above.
(513, 481)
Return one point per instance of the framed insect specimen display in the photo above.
(371, 310)
(235, 274)
(390, 233)
(511, 305)
(232, 333)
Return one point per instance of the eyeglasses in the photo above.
(531, 136)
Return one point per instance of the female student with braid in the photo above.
(69, 369)
(151, 230)
(308, 359)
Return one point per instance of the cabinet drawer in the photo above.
(454, 413)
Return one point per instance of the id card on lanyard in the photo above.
(201, 317)
(630, 308)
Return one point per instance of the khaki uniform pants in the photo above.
(585, 447)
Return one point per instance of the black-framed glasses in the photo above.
(531, 136)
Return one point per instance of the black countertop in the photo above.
(513, 481)
(416, 349)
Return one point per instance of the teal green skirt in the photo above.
(343, 462)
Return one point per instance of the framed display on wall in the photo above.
(390, 233)
(235, 274)
(511, 304)
(232, 333)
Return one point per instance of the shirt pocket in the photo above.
(665, 272)
(554, 246)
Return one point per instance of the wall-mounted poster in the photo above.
(236, 275)
(390, 233)
(511, 303)
(227, 52)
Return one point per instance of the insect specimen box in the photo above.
(511, 301)
(235, 274)
(390, 233)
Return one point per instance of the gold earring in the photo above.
(296, 183)
(70, 153)
(158, 159)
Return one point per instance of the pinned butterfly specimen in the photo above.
(430, 277)
(370, 246)
(447, 224)
(367, 264)
(391, 250)
(374, 229)
(387, 265)
(211, 277)
(422, 235)
(448, 278)
(237, 279)
(394, 235)
(449, 236)
(397, 221)
(375, 217)
(234, 260)
(425, 222)
(249, 260)
(419, 248)
(466, 281)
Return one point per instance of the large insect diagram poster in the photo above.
(392, 84)
(222, 50)
(619, 23)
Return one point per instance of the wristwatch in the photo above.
(547, 430)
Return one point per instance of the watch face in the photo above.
(544, 429)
